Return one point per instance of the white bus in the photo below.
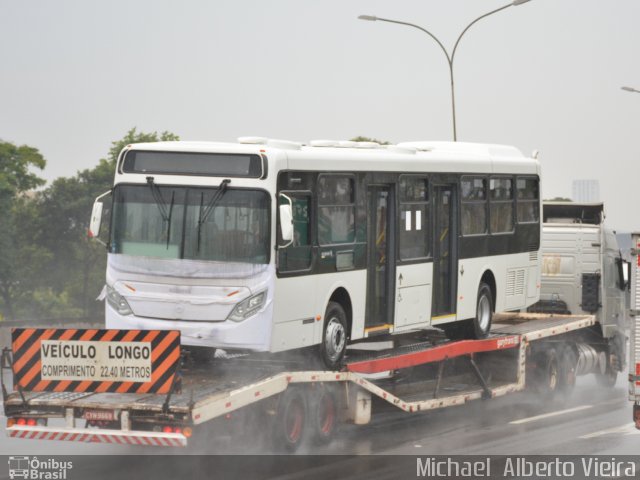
(271, 245)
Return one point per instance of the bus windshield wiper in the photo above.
(204, 213)
(173, 195)
(162, 206)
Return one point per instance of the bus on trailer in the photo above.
(271, 245)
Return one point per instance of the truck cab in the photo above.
(583, 272)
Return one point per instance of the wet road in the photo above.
(592, 421)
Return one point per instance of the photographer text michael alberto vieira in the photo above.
(587, 467)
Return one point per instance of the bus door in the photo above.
(445, 255)
(381, 261)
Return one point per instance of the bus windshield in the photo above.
(190, 223)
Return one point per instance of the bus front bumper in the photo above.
(254, 333)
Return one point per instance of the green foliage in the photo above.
(17, 212)
(558, 199)
(133, 136)
(49, 268)
(15, 169)
(360, 138)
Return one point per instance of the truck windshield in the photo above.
(235, 230)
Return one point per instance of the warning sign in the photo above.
(76, 360)
(122, 361)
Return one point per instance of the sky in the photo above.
(546, 75)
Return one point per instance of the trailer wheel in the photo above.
(334, 336)
(567, 370)
(290, 422)
(323, 411)
(481, 324)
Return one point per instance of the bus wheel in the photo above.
(323, 411)
(290, 422)
(567, 370)
(334, 336)
(484, 312)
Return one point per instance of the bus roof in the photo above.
(354, 156)
(246, 143)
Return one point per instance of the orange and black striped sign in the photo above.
(75, 360)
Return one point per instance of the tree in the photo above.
(558, 199)
(360, 138)
(66, 210)
(18, 254)
(133, 136)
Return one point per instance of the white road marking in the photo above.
(626, 429)
(550, 414)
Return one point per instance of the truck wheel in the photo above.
(548, 373)
(323, 411)
(607, 379)
(290, 422)
(334, 336)
(481, 325)
(567, 370)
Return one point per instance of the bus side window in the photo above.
(474, 205)
(501, 205)
(528, 200)
(297, 256)
(336, 209)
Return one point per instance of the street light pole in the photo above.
(450, 57)
(630, 89)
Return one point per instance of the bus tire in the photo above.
(291, 420)
(323, 415)
(481, 325)
(334, 336)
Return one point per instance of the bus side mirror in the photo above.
(286, 221)
(96, 218)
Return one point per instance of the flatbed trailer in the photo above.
(420, 372)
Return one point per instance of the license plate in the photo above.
(104, 415)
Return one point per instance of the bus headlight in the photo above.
(248, 307)
(118, 302)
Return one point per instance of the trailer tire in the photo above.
(481, 324)
(323, 414)
(334, 336)
(291, 420)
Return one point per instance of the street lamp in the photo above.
(630, 89)
(450, 57)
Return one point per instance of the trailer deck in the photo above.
(228, 385)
